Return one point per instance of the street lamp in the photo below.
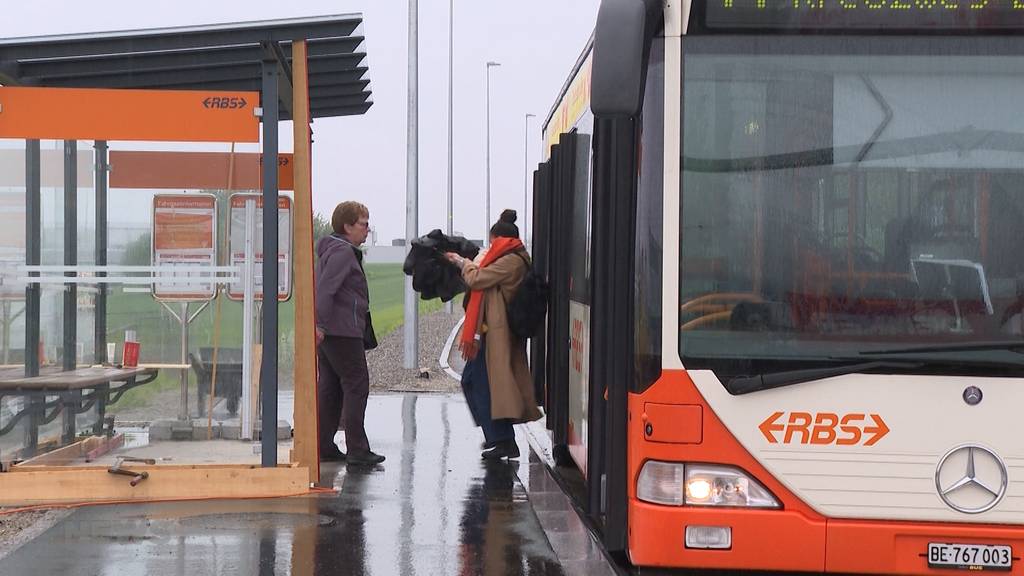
(448, 308)
(526, 174)
(487, 201)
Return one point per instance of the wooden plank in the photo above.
(85, 449)
(164, 483)
(107, 445)
(305, 450)
(68, 453)
(20, 468)
(254, 398)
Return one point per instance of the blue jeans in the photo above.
(477, 387)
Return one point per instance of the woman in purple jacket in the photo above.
(342, 312)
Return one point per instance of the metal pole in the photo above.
(411, 329)
(70, 253)
(33, 292)
(33, 252)
(100, 335)
(448, 308)
(526, 177)
(268, 372)
(70, 345)
(248, 287)
(7, 332)
(487, 198)
(183, 319)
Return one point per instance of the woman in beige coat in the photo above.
(497, 383)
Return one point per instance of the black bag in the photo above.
(369, 337)
(529, 305)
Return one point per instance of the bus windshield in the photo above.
(848, 194)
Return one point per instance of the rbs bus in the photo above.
(786, 246)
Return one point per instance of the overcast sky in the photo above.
(364, 158)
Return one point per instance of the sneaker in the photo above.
(365, 458)
(505, 449)
(487, 445)
(332, 456)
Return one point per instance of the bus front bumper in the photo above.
(786, 540)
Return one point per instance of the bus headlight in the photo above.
(708, 485)
(676, 484)
(661, 483)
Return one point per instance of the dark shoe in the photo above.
(332, 456)
(504, 449)
(365, 458)
(487, 445)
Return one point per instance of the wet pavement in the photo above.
(432, 508)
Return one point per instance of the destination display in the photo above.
(890, 15)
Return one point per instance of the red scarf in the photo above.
(499, 248)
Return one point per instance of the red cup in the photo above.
(130, 355)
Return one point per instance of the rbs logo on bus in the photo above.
(824, 428)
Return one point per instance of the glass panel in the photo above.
(146, 420)
(836, 203)
(51, 322)
(649, 225)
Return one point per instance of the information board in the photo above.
(184, 234)
(236, 233)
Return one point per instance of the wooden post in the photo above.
(305, 452)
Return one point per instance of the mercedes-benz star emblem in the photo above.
(971, 479)
(972, 395)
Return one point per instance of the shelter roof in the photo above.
(214, 57)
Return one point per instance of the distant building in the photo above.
(385, 255)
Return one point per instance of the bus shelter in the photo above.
(176, 125)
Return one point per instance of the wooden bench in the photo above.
(77, 392)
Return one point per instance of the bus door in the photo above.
(579, 293)
(539, 246)
(554, 247)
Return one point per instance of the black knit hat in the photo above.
(506, 227)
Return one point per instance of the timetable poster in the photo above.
(184, 236)
(236, 233)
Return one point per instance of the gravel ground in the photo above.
(385, 361)
(20, 527)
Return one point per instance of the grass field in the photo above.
(160, 335)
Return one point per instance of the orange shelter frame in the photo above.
(189, 116)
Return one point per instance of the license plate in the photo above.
(969, 556)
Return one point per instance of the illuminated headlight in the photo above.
(676, 484)
(725, 486)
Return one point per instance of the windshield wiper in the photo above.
(748, 384)
(1011, 345)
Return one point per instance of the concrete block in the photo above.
(171, 430)
(199, 430)
(231, 430)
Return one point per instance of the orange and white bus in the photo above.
(786, 246)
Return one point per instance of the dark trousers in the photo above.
(476, 385)
(343, 387)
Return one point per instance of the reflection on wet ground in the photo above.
(432, 508)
